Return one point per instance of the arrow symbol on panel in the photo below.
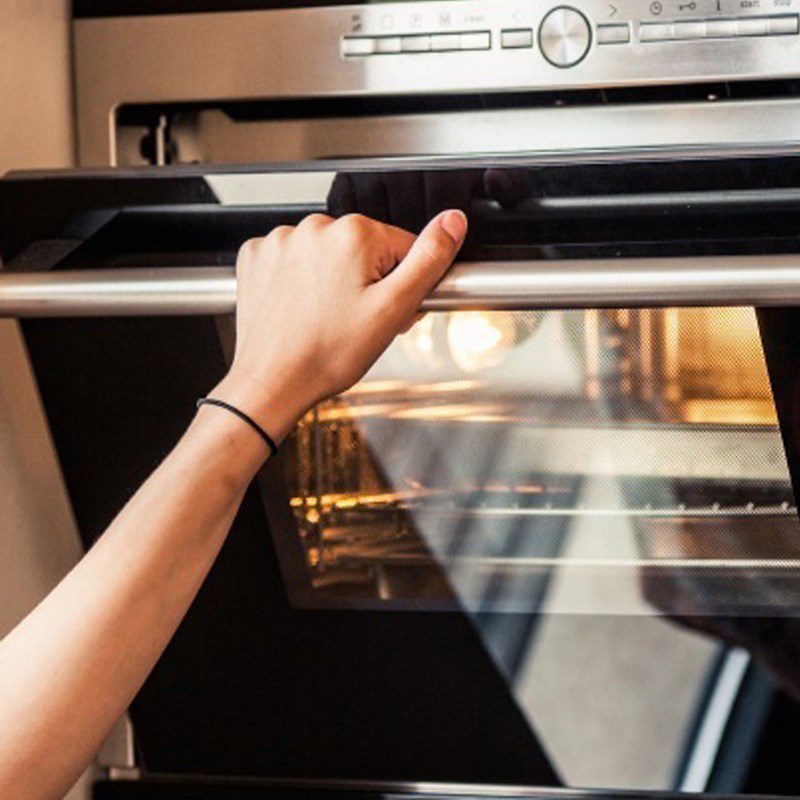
(613, 11)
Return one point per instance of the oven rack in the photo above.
(352, 538)
(398, 545)
(716, 511)
(554, 496)
(525, 563)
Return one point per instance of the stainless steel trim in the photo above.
(296, 54)
(771, 280)
(665, 130)
(124, 292)
(621, 283)
(117, 751)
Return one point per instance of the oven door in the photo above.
(549, 540)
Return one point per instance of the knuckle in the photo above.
(248, 254)
(249, 248)
(316, 220)
(279, 233)
(254, 250)
(354, 227)
(278, 237)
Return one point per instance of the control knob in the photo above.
(564, 36)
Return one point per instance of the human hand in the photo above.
(318, 303)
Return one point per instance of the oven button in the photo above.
(694, 29)
(720, 28)
(479, 40)
(446, 41)
(613, 34)
(415, 44)
(754, 26)
(564, 36)
(783, 25)
(388, 44)
(517, 37)
(358, 46)
(655, 31)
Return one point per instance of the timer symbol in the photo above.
(656, 8)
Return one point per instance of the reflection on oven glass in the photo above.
(589, 461)
(480, 339)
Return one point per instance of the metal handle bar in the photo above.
(760, 280)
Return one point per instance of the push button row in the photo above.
(607, 34)
(780, 25)
(416, 43)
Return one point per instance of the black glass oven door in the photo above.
(549, 540)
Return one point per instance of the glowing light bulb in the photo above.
(479, 339)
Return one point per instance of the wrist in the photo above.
(237, 451)
(274, 405)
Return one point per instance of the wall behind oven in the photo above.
(38, 540)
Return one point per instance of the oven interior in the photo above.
(488, 454)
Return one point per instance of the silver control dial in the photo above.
(564, 36)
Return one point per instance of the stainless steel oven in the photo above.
(549, 544)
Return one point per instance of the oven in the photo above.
(548, 544)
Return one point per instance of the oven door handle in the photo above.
(749, 280)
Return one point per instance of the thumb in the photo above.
(428, 259)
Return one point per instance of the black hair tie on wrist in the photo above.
(211, 401)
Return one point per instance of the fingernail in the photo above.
(454, 224)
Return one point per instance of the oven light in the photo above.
(418, 342)
(479, 339)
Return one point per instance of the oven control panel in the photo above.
(431, 47)
(565, 35)
(621, 41)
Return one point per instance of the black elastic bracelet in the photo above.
(211, 401)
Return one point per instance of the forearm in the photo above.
(72, 667)
(316, 305)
